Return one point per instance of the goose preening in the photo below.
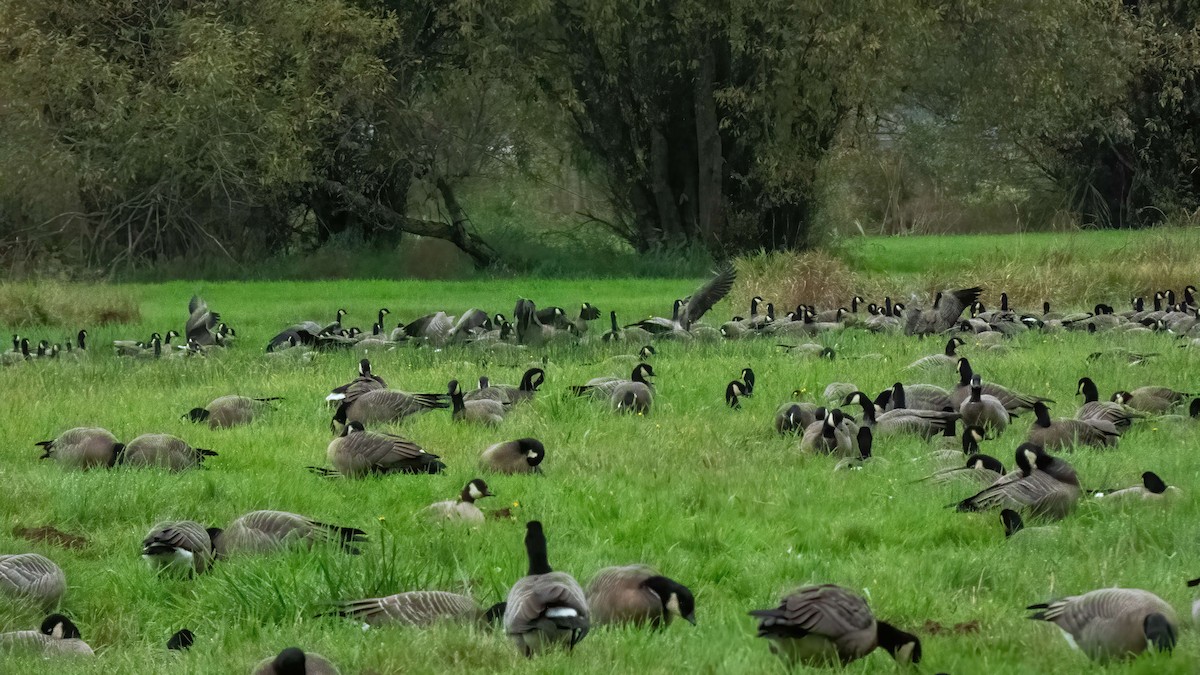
(826, 625)
(983, 410)
(32, 579)
(181, 546)
(733, 393)
(1112, 623)
(523, 455)
(1045, 487)
(544, 608)
(638, 595)
(57, 636)
(230, 411)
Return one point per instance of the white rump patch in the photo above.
(335, 397)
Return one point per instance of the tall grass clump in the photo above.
(788, 279)
(52, 303)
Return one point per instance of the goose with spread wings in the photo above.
(689, 310)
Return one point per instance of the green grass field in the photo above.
(709, 495)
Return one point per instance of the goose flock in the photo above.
(547, 608)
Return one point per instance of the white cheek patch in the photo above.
(532, 454)
(474, 491)
(673, 604)
(559, 612)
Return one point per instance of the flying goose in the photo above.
(479, 411)
(523, 455)
(1045, 487)
(230, 411)
(983, 410)
(1011, 400)
(1094, 409)
(544, 608)
(295, 661)
(821, 625)
(1112, 623)
(83, 448)
(163, 450)
(639, 595)
(1065, 433)
(181, 546)
(414, 608)
(357, 453)
(947, 359)
(924, 423)
(384, 406)
(947, 307)
(1152, 488)
(464, 508)
(58, 636)
(270, 531)
(32, 579)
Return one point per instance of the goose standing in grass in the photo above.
(357, 453)
(163, 450)
(1152, 488)
(295, 661)
(57, 636)
(983, 410)
(523, 455)
(948, 359)
(230, 411)
(1066, 433)
(479, 411)
(828, 624)
(414, 608)
(544, 608)
(32, 579)
(270, 531)
(1113, 623)
(1045, 487)
(1094, 409)
(83, 448)
(463, 509)
(638, 595)
(181, 546)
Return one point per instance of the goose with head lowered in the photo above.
(296, 661)
(1045, 487)
(833, 434)
(231, 411)
(826, 625)
(165, 451)
(181, 546)
(57, 636)
(32, 579)
(413, 608)
(1151, 399)
(638, 595)
(734, 391)
(796, 416)
(1067, 433)
(273, 531)
(979, 469)
(83, 448)
(1113, 623)
(384, 406)
(544, 608)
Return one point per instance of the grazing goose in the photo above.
(32, 579)
(83, 448)
(270, 531)
(733, 392)
(366, 381)
(638, 595)
(796, 416)
(385, 405)
(1011, 400)
(295, 661)
(864, 439)
(810, 350)
(479, 411)
(180, 546)
(983, 410)
(632, 397)
(1112, 623)
(822, 625)
(1094, 409)
(603, 387)
(544, 608)
(357, 453)
(414, 608)
(181, 640)
(1153, 488)
(829, 435)
(947, 359)
(464, 508)
(748, 380)
(1013, 523)
(163, 450)
(1066, 433)
(1156, 400)
(523, 455)
(981, 469)
(924, 423)
(1045, 487)
(947, 307)
(230, 411)
(58, 636)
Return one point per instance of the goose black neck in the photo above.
(1090, 393)
(964, 373)
(976, 393)
(613, 316)
(898, 398)
(1043, 414)
(951, 347)
(535, 549)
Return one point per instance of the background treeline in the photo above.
(573, 135)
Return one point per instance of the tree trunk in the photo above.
(710, 206)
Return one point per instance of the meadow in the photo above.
(710, 496)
